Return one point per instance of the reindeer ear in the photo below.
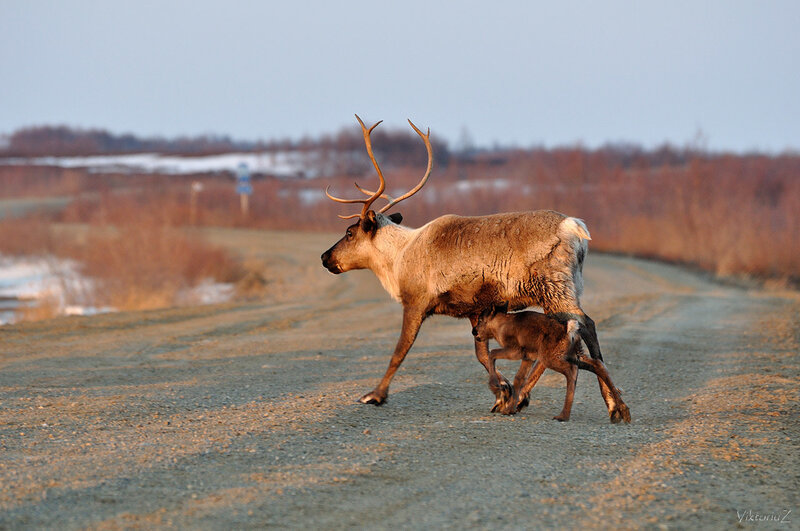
(500, 308)
(397, 217)
(370, 222)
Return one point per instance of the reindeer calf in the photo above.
(541, 342)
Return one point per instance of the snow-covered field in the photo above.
(32, 281)
(282, 164)
(29, 281)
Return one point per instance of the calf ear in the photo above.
(370, 223)
(500, 308)
(397, 217)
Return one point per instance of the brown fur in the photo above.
(541, 342)
(459, 266)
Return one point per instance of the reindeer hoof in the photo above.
(372, 398)
(523, 404)
(620, 413)
(560, 418)
(503, 392)
(498, 404)
(509, 409)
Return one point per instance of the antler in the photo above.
(427, 139)
(373, 196)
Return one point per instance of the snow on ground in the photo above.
(285, 164)
(497, 184)
(207, 292)
(31, 281)
(31, 277)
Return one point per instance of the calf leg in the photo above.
(498, 384)
(510, 406)
(570, 372)
(533, 377)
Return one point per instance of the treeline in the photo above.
(329, 155)
(726, 213)
(67, 141)
(342, 152)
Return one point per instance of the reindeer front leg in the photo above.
(412, 320)
(501, 388)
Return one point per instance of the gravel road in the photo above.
(244, 415)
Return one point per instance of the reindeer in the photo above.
(459, 266)
(541, 342)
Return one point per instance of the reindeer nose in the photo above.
(474, 331)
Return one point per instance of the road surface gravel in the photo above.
(244, 415)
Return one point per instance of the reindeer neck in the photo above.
(390, 242)
(499, 327)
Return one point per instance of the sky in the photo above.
(725, 74)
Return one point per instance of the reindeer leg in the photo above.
(523, 399)
(512, 406)
(571, 374)
(494, 383)
(589, 335)
(533, 377)
(617, 410)
(412, 320)
(499, 385)
(506, 404)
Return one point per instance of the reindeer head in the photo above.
(482, 329)
(357, 248)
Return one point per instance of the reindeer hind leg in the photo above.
(617, 410)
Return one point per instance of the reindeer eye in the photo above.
(349, 233)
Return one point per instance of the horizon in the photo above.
(517, 76)
(698, 143)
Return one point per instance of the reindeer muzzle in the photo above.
(331, 266)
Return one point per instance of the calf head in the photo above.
(482, 329)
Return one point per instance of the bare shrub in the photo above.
(141, 264)
(146, 264)
(728, 214)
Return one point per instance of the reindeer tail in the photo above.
(574, 226)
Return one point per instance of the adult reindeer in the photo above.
(459, 266)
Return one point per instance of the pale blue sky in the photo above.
(510, 72)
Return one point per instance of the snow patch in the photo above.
(30, 281)
(281, 164)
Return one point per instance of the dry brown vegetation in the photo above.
(727, 214)
(141, 263)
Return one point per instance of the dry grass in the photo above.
(146, 265)
(727, 214)
(141, 263)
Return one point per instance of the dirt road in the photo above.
(245, 415)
